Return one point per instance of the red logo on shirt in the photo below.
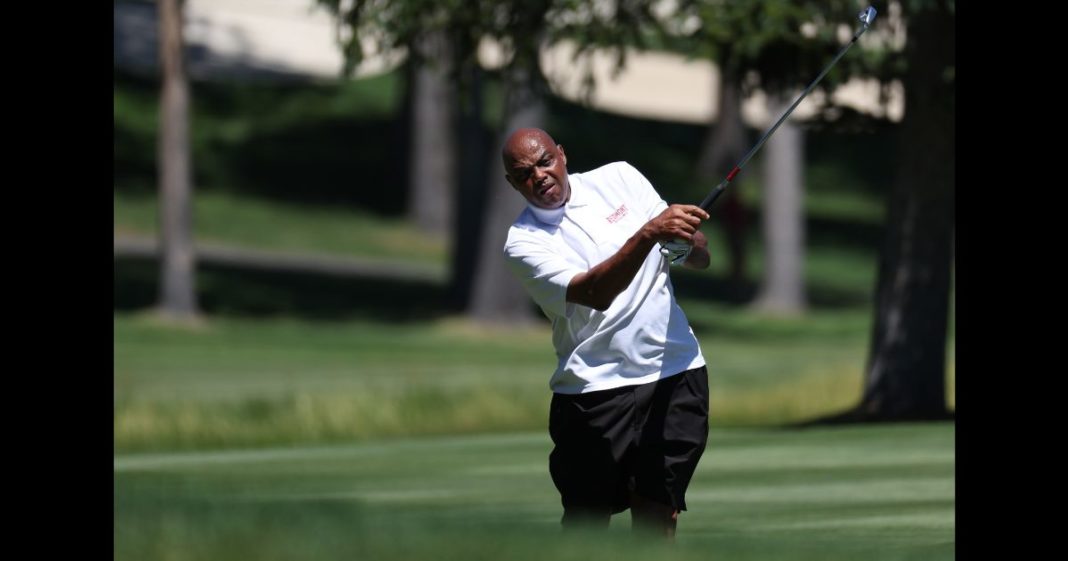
(619, 213)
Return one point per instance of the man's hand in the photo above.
(677, 231)
(677, 222)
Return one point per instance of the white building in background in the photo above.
(296, 38)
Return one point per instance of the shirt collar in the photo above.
(578, 192)
(555, 215)
(551, 216)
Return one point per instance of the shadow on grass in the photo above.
(237, 290)
(229, 290)
(860, 415)
(328, 162)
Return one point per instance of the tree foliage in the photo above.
(782, 45)
(521, 27)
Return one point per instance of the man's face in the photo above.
(537, 168)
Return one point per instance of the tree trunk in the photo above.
(906, 376)
(178, 262)
(498, 296)
(782, 289)
(433, 137)
(471, 191)
(725, 144)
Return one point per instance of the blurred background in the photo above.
(320, 354)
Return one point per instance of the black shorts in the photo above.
(645, 439)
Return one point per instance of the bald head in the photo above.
(536, 166)
(522, 141)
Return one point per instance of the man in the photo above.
(629, 414)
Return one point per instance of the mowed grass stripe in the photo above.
(879, 493)
(414, 446)
(892, 485)
(902, 489)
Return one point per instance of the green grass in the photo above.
(868, 492)
(256, 223)
(251, 382)
(247, 382)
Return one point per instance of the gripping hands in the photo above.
(675, 229)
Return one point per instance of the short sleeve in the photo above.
(642, 190)
(544, 273)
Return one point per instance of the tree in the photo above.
(529, 26)
(443, 39)
(471, 193)
(498, 296)
(444, 89)
(178, 262)
(782, 287)
(905, 375)
(425, 30)
(779, 46)
(725, 144)
(523, 28)
(904, 378)
(431, 193)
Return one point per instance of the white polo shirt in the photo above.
(643, 336)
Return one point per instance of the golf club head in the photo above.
(867, 16)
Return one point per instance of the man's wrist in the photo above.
(645, 237)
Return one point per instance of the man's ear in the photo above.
(561, 149)
(508, 178)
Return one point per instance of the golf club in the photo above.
(866, 17)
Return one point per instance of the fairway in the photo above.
(858, 492)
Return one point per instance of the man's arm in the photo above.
(599, 286)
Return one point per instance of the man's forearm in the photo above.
(599, 286)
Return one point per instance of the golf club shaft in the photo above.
(867, 16)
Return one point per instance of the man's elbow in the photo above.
(601, 306)
(588, 289)
(595, 301)
(580, 294)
